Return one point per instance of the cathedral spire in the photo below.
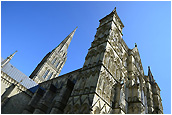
(65, 43)
(7, 60)
(52, 64)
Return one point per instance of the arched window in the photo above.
(50, 76)
(45, 74)
(54, 60)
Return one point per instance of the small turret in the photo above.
(7, 60)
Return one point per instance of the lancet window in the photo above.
(57, 64)
(45, 74)
(50, 76)
(54, 60)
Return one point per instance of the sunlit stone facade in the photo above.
(111, 80)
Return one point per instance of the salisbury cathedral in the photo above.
(111, 81)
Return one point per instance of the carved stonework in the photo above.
(111, 81)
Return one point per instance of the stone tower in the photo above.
(51, 65)
(112, 78)
(100, 86)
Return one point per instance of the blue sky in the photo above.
(35, 28)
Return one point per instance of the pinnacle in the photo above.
(114, 9)
(13, 54)
(7, 60)
(67, 40)
(135, 45)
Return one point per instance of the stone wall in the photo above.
(15, 104)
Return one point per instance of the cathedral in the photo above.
(111, 81)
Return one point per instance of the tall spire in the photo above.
(7, 60)
(52, 64)
(65, 43)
